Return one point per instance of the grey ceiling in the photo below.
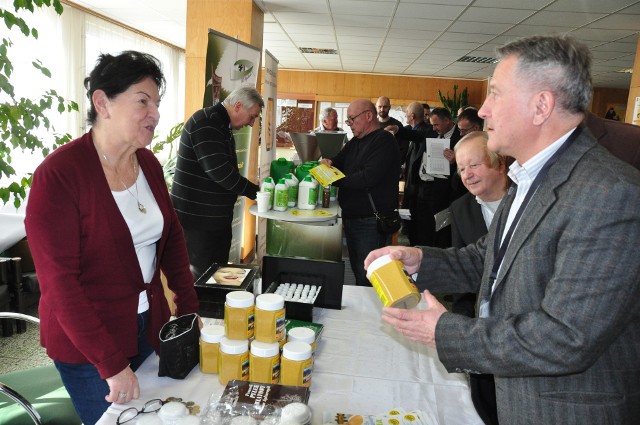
(411, 37)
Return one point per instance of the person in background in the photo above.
(427, 113)
(329, 119)
(101, 228)
(557, 282)
(371, 165)
(207, 182)
(392, 125)
(484, 174)
(469, 121)
(421, 197)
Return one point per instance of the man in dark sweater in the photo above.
(207, 182)
(370, 162)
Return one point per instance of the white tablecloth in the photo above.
(362, 366)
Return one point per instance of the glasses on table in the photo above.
(131, 413)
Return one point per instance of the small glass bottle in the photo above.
(269, 318)
(326, 196)
(210, 337)
(233, 360)
(264, 362)
(296, 364)
(239, 313)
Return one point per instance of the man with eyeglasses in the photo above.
(370, 162)
(207, 182)
(469, 121)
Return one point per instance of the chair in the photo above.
(35, 395)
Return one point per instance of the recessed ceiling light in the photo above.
(477, 59)
(318, 51)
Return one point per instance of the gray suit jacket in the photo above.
(563, 335)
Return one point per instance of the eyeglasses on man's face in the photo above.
(350, 120)
(131, 413)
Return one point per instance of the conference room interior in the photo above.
(405, 50)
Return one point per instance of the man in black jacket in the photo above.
(371, 165)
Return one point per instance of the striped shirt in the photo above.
(207, 182)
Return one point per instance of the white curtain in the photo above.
(69, 45)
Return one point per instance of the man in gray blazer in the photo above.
(559, 324)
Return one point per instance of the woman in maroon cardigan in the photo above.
(101, 227)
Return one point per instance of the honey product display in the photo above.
(210, 337)
(264, 362)
(239, 315)
(392, 284)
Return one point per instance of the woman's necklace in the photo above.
(141, 207)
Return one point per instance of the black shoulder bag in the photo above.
(387, 224)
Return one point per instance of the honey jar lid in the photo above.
(265, 349)
(296, 351)
(212, 333)
(234, 346)
(270, 302)
(302, 334)
(239, 299)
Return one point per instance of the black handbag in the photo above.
(179, 346)
(387, 224)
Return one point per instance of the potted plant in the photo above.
(20, 118)
(454, 103)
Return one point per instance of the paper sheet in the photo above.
(325, 174)
(433, 159)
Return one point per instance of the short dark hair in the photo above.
(471, 114)
(115, 74)
(442, 113)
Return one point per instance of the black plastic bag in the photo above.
(179, 346)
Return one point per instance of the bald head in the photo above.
(361, 117)
(383, 105)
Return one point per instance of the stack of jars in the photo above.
(252, 345)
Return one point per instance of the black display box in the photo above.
(212, 287)
(327, 274)
(298, 310)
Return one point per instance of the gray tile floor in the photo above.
(23, 351)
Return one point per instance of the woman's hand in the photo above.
(123, 387)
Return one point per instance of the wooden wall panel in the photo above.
(341, 87)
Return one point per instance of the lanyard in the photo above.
(500, 249)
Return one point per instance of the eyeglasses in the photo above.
(350, 120)
(464, 131)
(131, 413)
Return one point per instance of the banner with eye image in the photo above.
(230, 64)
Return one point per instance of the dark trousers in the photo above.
(362, 238)
(428, 199)
(207, 246)
(483, 395)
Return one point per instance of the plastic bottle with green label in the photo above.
(292, 182)
(281, 196)
(268, 186)
(307, 193)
